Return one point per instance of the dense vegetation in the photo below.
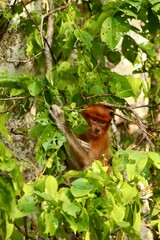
(75, 47)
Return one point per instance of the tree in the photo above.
(75, 47)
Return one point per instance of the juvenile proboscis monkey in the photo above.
(91, 145)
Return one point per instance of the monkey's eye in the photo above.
(103, 122)
(94, 119)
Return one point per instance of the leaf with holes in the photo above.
(129, 48)
(110, 32)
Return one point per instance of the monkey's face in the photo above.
(97, 127)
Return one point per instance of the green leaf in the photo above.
(120, 85)
(81, 187)
(9, 229)
(136, 220)
(39, 184)
(155, 158)
(128, 193)
(128, 11)
(16, 92)
(140, 159)
(51, 185)
(129, 48)
(148, 48)
(7, 164)
(3, 129)
(51, 138)
(63, 67)
(114, 57)
(74, 174)
(35, 88)
(84, 37)
(94, 23)
(131, 171)
(153, 23)
(6, 195)
(36, 131)
(71, 209)
(110, 32)
(51, 223)
(27, 204)
(118, 213)
(136, 84)
(42, 118)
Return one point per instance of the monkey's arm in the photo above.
(80, 148)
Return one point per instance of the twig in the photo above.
(138, 121)
(58, 9)
(99, 95)
(24, 60)
(14, 98)
(5, 111)
(148, 106)
(123, 117)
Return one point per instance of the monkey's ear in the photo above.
(86, 111)
(111, 113)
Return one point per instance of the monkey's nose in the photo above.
(97, 130)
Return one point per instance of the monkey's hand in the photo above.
(84, 144)
(58, 115)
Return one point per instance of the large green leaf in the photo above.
(155, 158)
(128, 192)
(110, 33)
(120, 85)
(81, 187)
(129, 48)
(34, 88)
(71, 208)
(51, 185)
(84, 37)
(51, 223)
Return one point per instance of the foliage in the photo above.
(90, 39)
(93, 195)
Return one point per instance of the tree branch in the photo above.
(138, 121)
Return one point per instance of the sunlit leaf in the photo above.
(81, 187)
(51, 185)
(155, 158)
(34, 88)
(71, 208)
(128, 192)
(51, 223)
(110, 33)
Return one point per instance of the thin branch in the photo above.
(138, 121)
(99, 95)
(123, 117)
(14, 98)
(5, 111)
(58, 9)
(10, 60)
(148, 106)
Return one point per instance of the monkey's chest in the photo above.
(98, 151)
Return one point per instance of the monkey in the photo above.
(94, 143)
